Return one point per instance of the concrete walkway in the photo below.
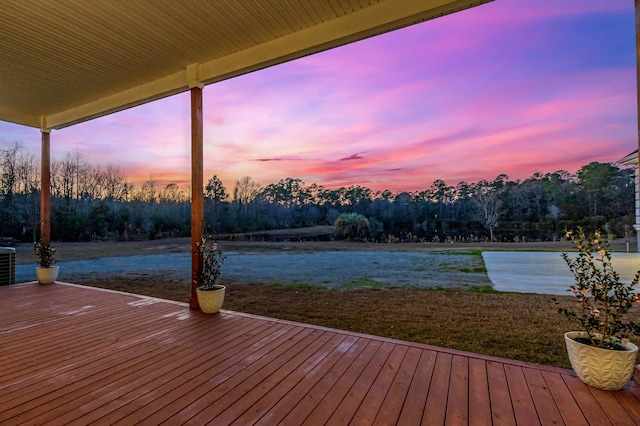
(544, 272)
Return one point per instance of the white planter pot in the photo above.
(47, 275)
(601, 368)
(210, 301)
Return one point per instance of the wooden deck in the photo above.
(76, 355)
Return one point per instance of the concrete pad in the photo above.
(544, 272)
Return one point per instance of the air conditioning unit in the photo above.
(7, 265)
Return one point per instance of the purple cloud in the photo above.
(352, 157)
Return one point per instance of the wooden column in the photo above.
(637, 225)
(197, 187)
(45, 189)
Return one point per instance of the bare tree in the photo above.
(92, 182)
(115, 185)
(18, 190)
(487, 206)
(148, 193)
(172, 193)
(245, 190)
(27, 172)
(69, 176)
(9, 171)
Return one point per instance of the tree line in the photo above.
(92, 202)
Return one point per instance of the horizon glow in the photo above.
(511, 88)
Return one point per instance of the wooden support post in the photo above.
(197, 188)
(45, 189)
(637, 225)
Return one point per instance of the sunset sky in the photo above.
(514, 87)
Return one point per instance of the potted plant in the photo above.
(210, 294)
(600, 353)
(47, 272)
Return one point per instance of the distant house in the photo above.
(629, 159)
(632, 160)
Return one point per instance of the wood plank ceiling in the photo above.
(67, 61)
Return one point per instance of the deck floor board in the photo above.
(563, 399)
(76, 355)
(479, 402)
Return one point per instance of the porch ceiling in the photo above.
(64, 62)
